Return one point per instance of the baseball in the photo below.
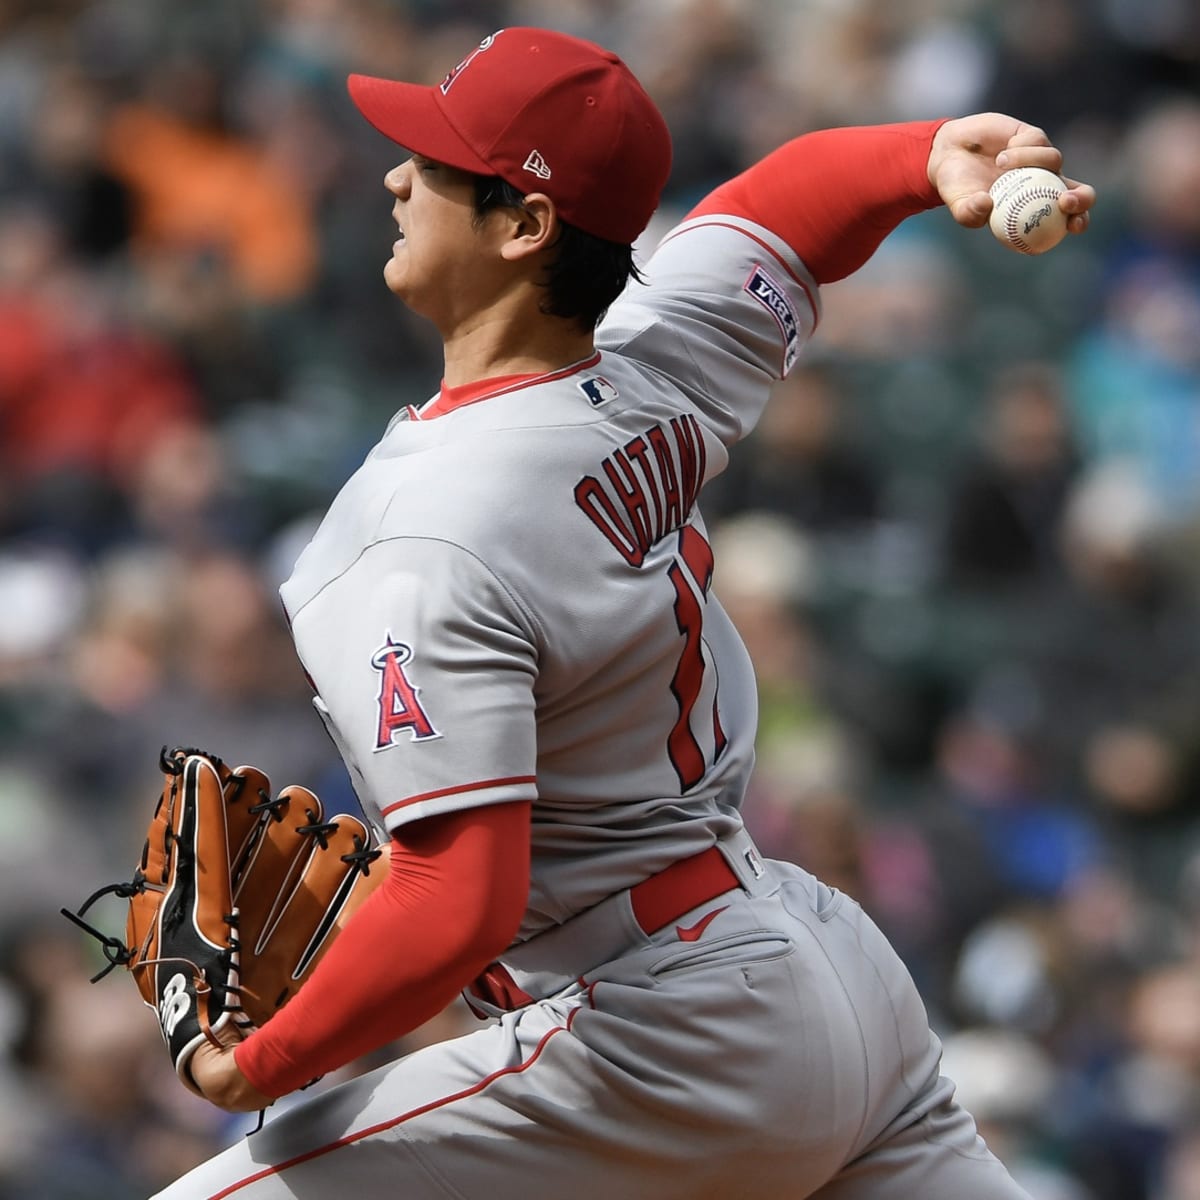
(1026, 216)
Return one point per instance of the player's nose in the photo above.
(397, 179)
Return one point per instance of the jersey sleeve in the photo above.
(732, 293)
(424, 666)
(724, 311)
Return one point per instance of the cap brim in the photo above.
(410, 115)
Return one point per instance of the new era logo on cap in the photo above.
(537, 164)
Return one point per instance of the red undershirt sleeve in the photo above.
(835, 194)
(452, 902)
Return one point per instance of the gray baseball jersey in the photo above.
(512, 600)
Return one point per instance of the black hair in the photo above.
(586, 275)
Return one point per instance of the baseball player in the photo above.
(508, 619)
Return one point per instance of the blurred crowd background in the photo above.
(962, 546)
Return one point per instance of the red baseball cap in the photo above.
(548, 113)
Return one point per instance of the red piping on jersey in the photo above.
(454, 791)
(699, 221)
(383, 1126)
(449, 399)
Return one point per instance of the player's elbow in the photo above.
(466, 874)
(488, 914)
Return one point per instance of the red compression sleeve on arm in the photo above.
(452, 903)
(834, 195)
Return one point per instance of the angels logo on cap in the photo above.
(532, 101)
(457, 70)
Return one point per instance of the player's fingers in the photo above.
(1047, 157)
(1029, 146)
(1079, 197)
(1077, 202)
(972, 209)
(1028, 136)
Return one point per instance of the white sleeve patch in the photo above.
(774, 298)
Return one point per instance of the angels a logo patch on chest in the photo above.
(400, 707)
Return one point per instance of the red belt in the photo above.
(665, 897)
(656, 902)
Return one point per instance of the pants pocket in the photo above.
(759, 945)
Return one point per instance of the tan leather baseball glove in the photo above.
(235, 899)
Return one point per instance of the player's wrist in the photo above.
(220, 1080)
(941, 143)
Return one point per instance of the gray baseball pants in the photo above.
(781, 1052)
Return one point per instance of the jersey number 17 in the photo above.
(691, 575)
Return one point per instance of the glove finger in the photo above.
(195, 951)
(156, 853)
(275, 861)
(366, 880)
(202, 893)
(247, 789)
(334, 881)
(189, 819)
(309, 912)
(141, 923)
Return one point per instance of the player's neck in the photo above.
(491, 348)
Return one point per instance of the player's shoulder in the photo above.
(420, 498)
(710, 281)
(719, 252)
(504, 476)
(515, 478)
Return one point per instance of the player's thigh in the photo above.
(406, 1129)
(916, 1140)
(312, 1151)
(940, 1157)
(522, 1110)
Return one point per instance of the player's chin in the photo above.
(393, 274)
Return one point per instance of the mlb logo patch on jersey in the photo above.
(598, 390)
(774, 299)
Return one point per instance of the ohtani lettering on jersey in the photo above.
(649, 487)
(399, 706)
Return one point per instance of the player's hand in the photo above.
(216, 1073)
(969, 154)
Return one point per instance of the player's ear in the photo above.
(534, 227)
